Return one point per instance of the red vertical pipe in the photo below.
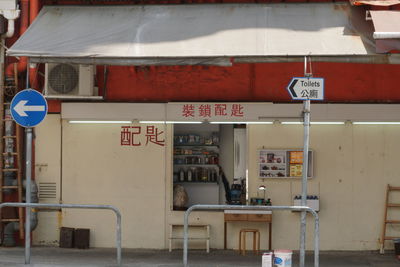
(34, 10)
(23, 26)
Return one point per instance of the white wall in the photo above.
(47, 169)
(98, 170)
(353, 164)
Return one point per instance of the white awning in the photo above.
(192, 34)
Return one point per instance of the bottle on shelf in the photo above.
(181, 175)
(189, 175)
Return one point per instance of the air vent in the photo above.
(70, 81)
(47, 190)
(63, 78)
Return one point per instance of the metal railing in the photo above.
(233, 207)
(72, 206)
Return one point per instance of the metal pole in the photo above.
(304, 181)
(76, 206)
(186, 234)
(316, 240)
(306, 141)
(28, 195)
(234, 207)
(119, 237)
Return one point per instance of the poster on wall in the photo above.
(285, 163)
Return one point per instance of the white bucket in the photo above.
(267, 259)
(283, 258)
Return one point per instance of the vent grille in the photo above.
(63, 78)
(48, 190)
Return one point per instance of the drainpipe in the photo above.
(33, 70)
(9, 240)
(11, 16)
(24, 25)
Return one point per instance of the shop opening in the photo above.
(209, 164)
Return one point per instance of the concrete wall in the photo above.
(352, 165)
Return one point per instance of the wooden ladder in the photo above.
(7, 91)
(385, 219)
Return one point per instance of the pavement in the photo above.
(53, 256)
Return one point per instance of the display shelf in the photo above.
(289, 162)
(204, 161)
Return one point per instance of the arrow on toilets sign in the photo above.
(306, 88)
(28, 108)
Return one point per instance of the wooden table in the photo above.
(248, 216)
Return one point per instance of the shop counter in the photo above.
(248, 216)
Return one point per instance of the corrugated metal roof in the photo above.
(191, 33)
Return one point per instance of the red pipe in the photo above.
(23, 26)
(34, 10)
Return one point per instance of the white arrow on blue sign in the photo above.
(28, 108)
(306, 88)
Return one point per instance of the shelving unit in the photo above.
(195, 163)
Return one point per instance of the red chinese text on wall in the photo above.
(134, 136)
(212, 110)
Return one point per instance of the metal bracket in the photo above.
(368, 15)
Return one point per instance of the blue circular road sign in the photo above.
(28, 108)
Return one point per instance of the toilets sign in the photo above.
(306, 88)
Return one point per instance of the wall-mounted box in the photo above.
(312, 203)
(8, 4)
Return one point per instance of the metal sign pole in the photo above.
(303, 223)
(28, 195)
(304, 181)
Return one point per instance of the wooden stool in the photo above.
(256, 240)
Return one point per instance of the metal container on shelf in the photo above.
(204, 174)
